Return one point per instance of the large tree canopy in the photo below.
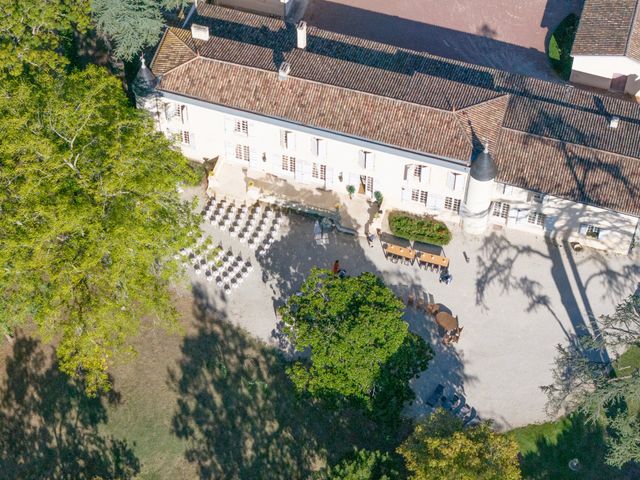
(440, 448)
(131, 24)
(607, 392)
(32, 33)
(361, 349)
(89, 217)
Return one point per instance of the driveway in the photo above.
(510, 35)
(517, 297)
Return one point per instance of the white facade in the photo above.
(408, 181)
(601, 71)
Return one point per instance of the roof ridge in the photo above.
(170, 29)
(498, 97)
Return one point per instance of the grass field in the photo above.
(209, 403)
(546, 448)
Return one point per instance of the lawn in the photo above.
(211, 402)
(546, 448)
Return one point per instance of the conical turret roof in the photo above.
(483, 167)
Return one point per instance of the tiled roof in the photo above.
(406, 99)
(609, 27)
(335, 109)
(569, 171)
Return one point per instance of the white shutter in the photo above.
(405, 196)
(255, 158)
(425, 174)
(184, 113)
(230, 151)
(512, 217)
(507, 189)
(369, 161)
(451, 180)
(376, 185)
(362, 163)
(307, 175)
(314, 146)
(354, 179)
(432, 201)
(192, 140)
(229, 125)
(329, 181)
(283, 138)
(604, 232)
(300, 168)
(439, 202)
(250, 128)
(276, 163)
(408, 171)
(522, 216)
(583, 229)
(322, 149)
(459, 183)
(291, 138)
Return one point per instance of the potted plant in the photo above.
(351, 190)
(378, 196)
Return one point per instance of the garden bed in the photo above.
(421, 228)
(560, 46)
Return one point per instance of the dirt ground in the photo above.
(511, 35)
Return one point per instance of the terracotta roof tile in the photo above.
(606, 27)
(406, 99)
(400, 124)
(569, 171)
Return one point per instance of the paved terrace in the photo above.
(505, 34)
(517, 297)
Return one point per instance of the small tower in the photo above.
(477, 203)
(144, 90)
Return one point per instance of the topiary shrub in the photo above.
(420, 228)
(560, 46)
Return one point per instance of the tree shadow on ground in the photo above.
(578, 439)
(240, 414)
(49, 428)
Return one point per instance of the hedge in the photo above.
(560, 46)
(419, 228)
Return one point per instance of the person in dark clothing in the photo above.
(336, 267)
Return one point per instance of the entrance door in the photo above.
(366, 185)
(618, 82)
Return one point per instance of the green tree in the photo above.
(587, 380)
(364, 465)
(90, 216)
(361, 349)
(32, 34)
(440, 448)
(131, 24)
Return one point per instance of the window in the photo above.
(181, 113)
(507, 189)
(186, 139)
(241, 126)
(289, 163)
(592, 231)
(452, 204)
(417, 170)
(319, 171)
(536, 218)
(286, 139)
(537, 198)
(242, 152)
(454, 181)
(365, 159)
(500, 209)
(419, 196)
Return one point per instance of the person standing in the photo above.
(336, 267)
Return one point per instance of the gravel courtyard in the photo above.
(505, 34)
(517, 297)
